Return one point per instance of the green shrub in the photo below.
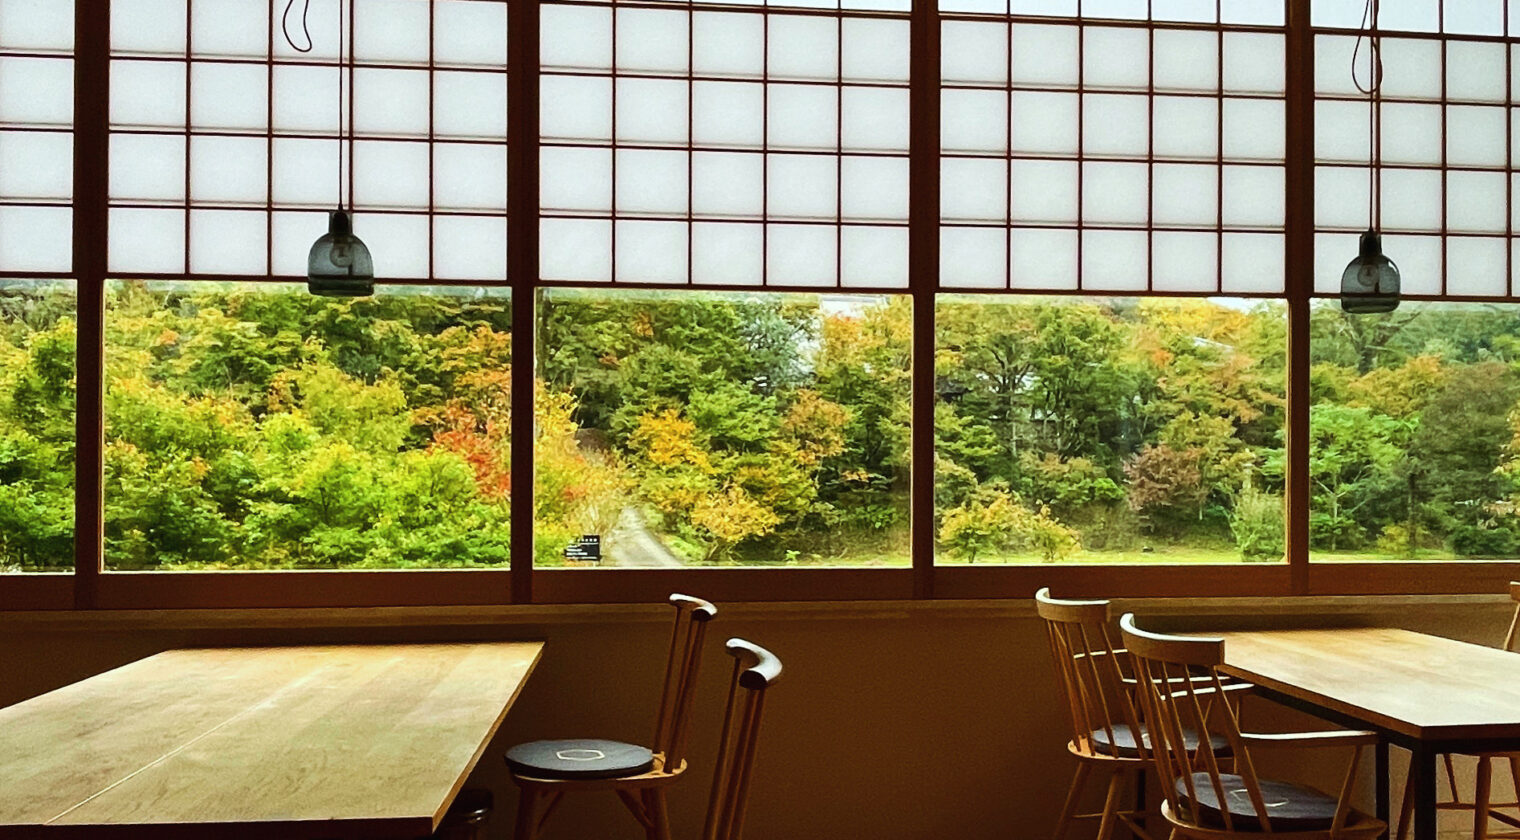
(1257, 525)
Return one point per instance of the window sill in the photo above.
(1364, 608)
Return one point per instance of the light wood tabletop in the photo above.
(289, 742)
(1421, 687)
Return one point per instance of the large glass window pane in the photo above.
(254, 426)
(1114, 430)
(36, 426)
(1415, 433)
(683, 429)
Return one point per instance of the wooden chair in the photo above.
(546, 770)
(755, 671)
(1100, 708)
(1481, 806)
(1180, 688)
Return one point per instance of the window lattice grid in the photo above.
(225, 140)
(1446, 148)
(724, 147)
(1112, 157)
(1492, 18)
(36, 136)
(1225, 12)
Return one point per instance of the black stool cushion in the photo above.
(579, 759)
(1290, 807)
(1124, 742)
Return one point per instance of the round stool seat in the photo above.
(579, 759)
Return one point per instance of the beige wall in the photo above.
(894, 722)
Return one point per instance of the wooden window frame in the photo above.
(91, 587)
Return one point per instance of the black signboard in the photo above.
(588, 547)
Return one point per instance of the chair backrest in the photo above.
(1089, 669)
(1183, 703)
(692, 615)
(1514, 622)
(755, 670)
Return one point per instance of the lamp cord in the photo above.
(1373, 91)
(306, 33)
(305, 29)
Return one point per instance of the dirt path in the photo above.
(637, 546)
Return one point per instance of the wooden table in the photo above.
(289, 742)
(1426, 694)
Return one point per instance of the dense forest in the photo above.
(259, 427)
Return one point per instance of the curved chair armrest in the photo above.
(700, 610)
(1305, 740)
(1200, 680)
(1230, 689)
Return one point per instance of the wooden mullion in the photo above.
(1298, 280)
(923, 277)
(92, 78)
(522, 274)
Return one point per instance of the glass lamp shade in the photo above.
(1370, 282)
(339, 264)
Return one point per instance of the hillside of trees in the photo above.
(260, 427)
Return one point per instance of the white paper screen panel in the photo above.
(1447, 210)
(225, 152)
(717, 148)
(1081, 156)
(36, 136)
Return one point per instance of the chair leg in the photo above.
(527, 814)
(1451, 779)
(659, 815)
(1406, 809)
(1481, 797)
(1111, 806)
(1514, 775)
(1073, 794)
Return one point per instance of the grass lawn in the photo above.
(1161, 555)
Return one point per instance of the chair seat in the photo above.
(579, 759)
(1123, 744)
(1290, 807)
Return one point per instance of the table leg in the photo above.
(1422, 768)
(1380, 777)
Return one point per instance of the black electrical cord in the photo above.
(305, 30)
(1373, 92)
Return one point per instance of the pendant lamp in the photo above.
(1370, 283)
(339, 263)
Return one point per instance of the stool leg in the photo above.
(1073, 794)
(527, 814)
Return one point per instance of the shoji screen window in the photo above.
(1446, 144)
(38, 307)
(225, 139)
(36, 135)
(725, 146)
(1112, 146)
